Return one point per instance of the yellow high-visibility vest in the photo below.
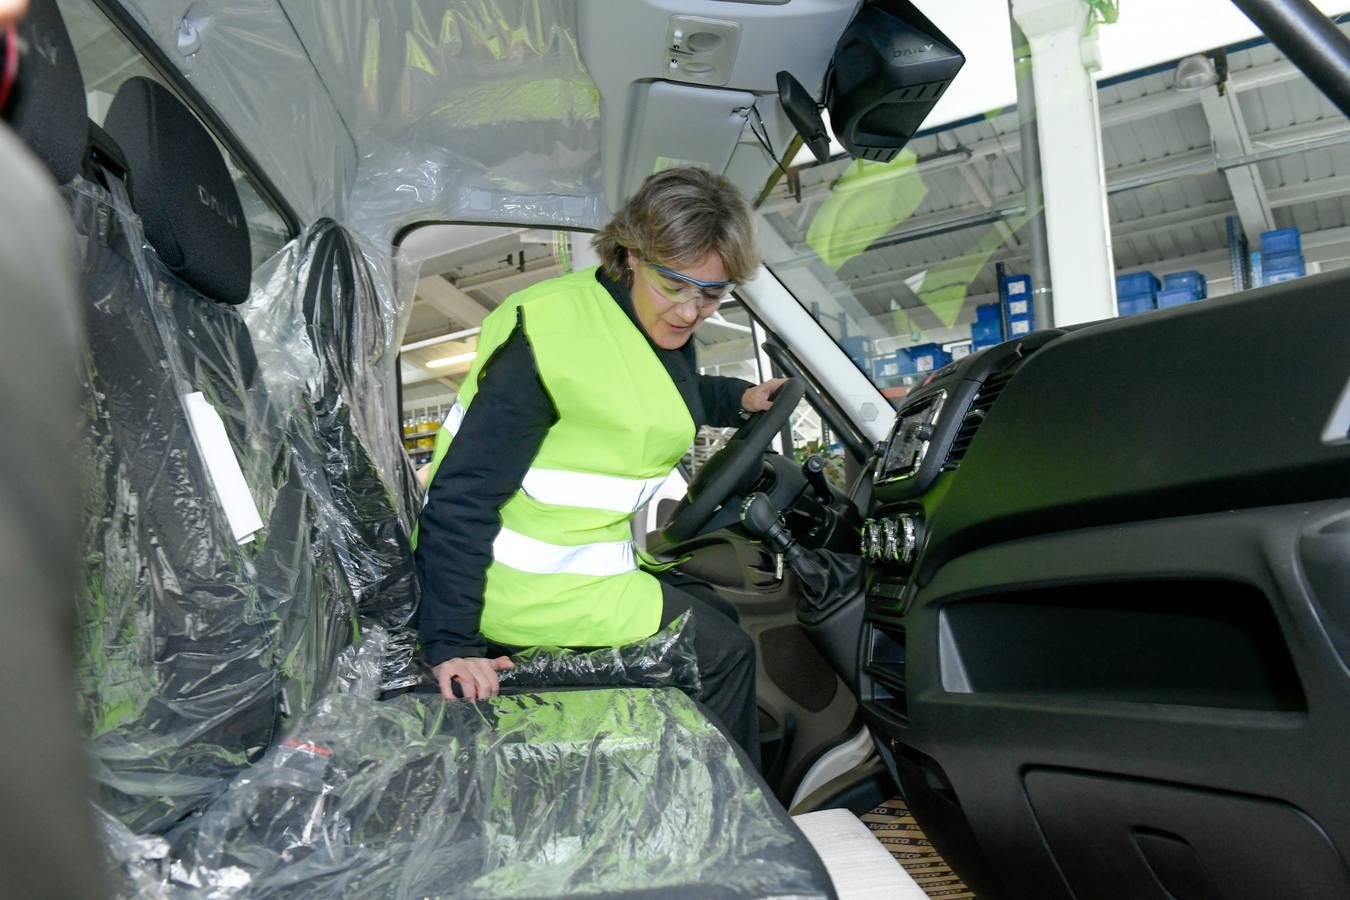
(564, 568)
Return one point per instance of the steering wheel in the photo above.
(734, 468)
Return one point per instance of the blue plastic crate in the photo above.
(1178, 297)
(858, 346)
(1017, 287)
(989, 312)
(859, 349)
(1017, 295)
(1019, 307)
(1019, 326)
(1281, 240)
(1280, 267)
(1136, 283)
(1131, 304)
(987, 332)
(1282, 262)
(1279, 276)
(1189, 281)
(922, 358)
(885, 366)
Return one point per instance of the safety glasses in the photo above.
(679, 288)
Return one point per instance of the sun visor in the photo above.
(662, 136)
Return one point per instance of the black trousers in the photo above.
(726, 656)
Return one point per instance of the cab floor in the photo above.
(893, 825)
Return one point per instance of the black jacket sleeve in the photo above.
(722, 399)
(487, 461)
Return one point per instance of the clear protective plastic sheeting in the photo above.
(666, 659)
(198, 635)
(236, 53)
(326, 315)
(572, 793)
(177, 645)
(230, 680)
(324, 318)
(478, 110)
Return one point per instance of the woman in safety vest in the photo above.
(583, 397)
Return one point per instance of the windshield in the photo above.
(1220, 171)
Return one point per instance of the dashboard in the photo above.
(1104, 602)
(932, 431)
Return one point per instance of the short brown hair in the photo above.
(678, 216)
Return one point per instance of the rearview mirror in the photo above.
(804, 115)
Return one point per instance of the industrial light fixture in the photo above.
(1195, 73)
(440, 339)
(450, 360)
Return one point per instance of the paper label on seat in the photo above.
(227, 476)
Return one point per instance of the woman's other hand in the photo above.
(760, 397)
(477, 676)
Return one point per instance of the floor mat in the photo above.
(893, 825)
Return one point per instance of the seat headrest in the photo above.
(48, 107)
(182, 190)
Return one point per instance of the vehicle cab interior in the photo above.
(1043, 544)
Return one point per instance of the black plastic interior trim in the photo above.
(1310, 39)
(1160, 640)
(1231, 680)
(1213, 406)
(964, 382)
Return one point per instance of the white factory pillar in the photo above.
(1064, 56)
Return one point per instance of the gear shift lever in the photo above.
(824, 578)
(762, 521)
(814, 470)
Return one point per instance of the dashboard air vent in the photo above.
(974, 417)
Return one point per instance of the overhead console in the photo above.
(754, 76)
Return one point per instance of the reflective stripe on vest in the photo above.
(519, 551)
(586, 490)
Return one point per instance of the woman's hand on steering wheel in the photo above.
(760, 397)
(734, 468)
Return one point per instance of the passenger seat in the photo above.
(169, 603)
(192, 645)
